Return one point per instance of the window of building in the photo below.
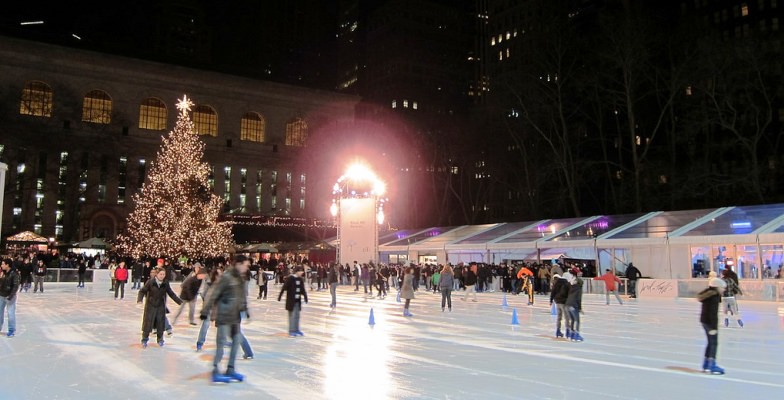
(122, 179)
(296, 133)
(62, 186)
(744, 10)
(414, 105)
(83, 168)
(405, 103)
(205, 120)
(394, 103)
(259, 183)
(774, 24)
(227, 188)
(39, 192)
(688, 90)
(97, 107)
(36, 99)
(103, 177)
(773, 3)
(252, 127)
(243, 186)
(152, 114)
(274, 190)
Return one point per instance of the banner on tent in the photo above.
(657, 288)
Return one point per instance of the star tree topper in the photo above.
(185, 104)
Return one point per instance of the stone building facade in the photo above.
(78, 130)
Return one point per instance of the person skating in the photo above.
(39, 274)
(470, 282)
(525, 275)
(381, 284)
(155, 290)
(25, 274)
(262, 283)
(446, 281)
(206, 290)
(136, 274)
(294, 287)
(434, 280)
(82, 269)
(407, 290)
(729, 297)
(120, 278)
(710, 298)
(610, 282)
(112, 271)
(189, 293)
(558, 296)
(229, 296)
(574, 306)
(332, 277)
(9, 287)
(633, 274)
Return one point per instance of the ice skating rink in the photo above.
(81, 344)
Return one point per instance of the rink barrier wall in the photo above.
(767, 290)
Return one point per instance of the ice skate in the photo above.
(219, 378)
(199, 347)
(558, 333)
(10, 334)
(161, 343)
(576, 337)
(726, 322)
(705, 365)
(740, 323)
(713, 368)
(144, 344)
(234, 376)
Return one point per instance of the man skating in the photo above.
(610, 282)
(39, 274)
(229, 296)
(9, 286)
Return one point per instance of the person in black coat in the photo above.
(709, 318)
(559, 295)
(82, 270)
(136, 274)
(294, 286)
(155, 290)
(632, 274)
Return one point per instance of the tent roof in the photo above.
(27, 237)
(92, 243)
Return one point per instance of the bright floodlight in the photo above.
(333, 209)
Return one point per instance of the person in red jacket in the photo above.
(526, 276)
(120, 278)
(610, 281)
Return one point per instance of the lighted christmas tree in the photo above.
(175, 212)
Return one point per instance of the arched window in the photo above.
(205, 119)
(152, 114)
(296, 132)
(36, 99)
(252, 127)
(97, 107)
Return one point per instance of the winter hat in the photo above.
(717, 283)
(712, 274)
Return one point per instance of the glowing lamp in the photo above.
(333, 209)
(380, 217)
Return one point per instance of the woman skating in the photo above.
(446, 281)
(709, 318)
(574, 306)
(407, 290)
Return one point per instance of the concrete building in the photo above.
(78, 129)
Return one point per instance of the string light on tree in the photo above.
(175, 212)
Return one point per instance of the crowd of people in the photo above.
(223, 287)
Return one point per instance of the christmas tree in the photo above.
(175, 213)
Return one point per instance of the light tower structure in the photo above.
(358, 207)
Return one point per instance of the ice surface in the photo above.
(81, 344)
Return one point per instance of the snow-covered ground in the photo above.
(81, 344)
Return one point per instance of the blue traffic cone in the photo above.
(515, 321)
(398, 296)
(553, 310)
(504, 303)
(372, 320)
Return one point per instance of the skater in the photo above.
(436, 277)
(729, 297)
(261, 281)
(610, 281)
(229, 296)
(136, 275)
(294, 286)
(189, 293)
(381, 285)
(709, 318)
(633, 274)
(112, 270)
(574, 305)
(82, 270)
(470, 282)
(25, 274)
(39, 274)
(9, 287)
(155, 290)
(332, 277)
(120, 278)
(525, 275)
(206, 290)
(407, 290)
(558, 295)
(446, 280)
